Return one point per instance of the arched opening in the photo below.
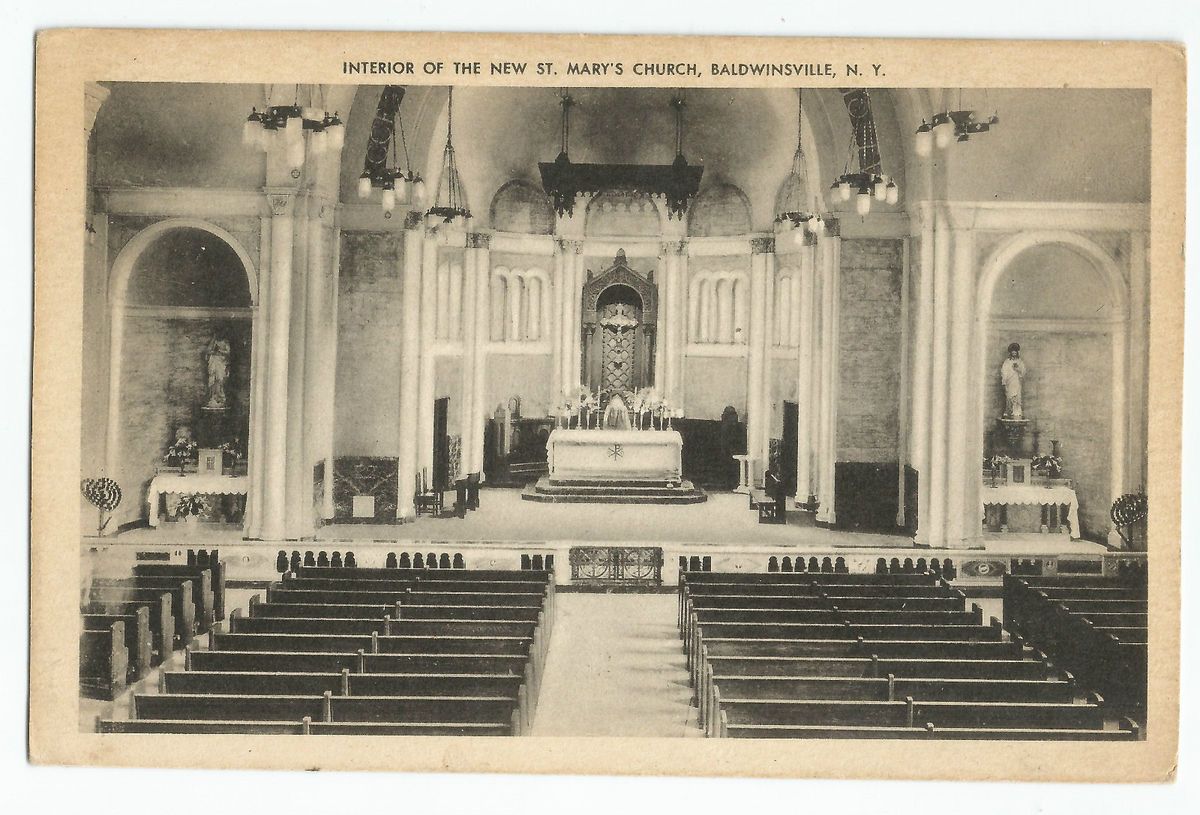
(183, 297)
(620, 347)
(1062, 300)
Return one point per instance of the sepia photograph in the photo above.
(665, 396)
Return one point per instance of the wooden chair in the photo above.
(771, 501)
(428, 498)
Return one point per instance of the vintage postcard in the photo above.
(637, 405)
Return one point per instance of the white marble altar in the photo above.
(615, 456)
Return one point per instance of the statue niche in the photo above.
(619, 314)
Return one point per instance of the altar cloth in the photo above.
(615, 455)
(194, 483)
(1011, 494)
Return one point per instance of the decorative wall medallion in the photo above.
(762, 245)
(280, 202)
(983, 568)
(479, 240)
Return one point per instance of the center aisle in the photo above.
(615, 668)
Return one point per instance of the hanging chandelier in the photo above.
(290, 123)
(949, 126)
(676, 184)
(796, 201)
(451, 202)
(382, 168)
(868, 182)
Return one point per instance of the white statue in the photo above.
(1012, 374)
(216, 357)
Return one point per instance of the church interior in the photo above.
(781, 384)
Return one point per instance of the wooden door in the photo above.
(791, 440)
(441, 444)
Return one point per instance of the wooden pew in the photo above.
(875, 667)
(909, 713)
(789, 578)
(1128, 731)
(385, 627)
(204, 609)
(493, 710)
(365, 573)
(302, 727)
(103, 661)
(873, 632)
(137, 636)
(183, 611)
(430, 644)
(161, 620)
(415, 596)
(216, 578)
(333, 662)
(343, 683)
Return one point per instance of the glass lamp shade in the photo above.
(844, 190)
(943, 135)
(468, 223)
(893, 192)
(294, 130)
(364, 185)
(402, 190)
(389, 199)
(798, 236)
(862, 204)
(418, 192)
(295, 153)
(337, 136)
(319, 141)
(923, 143)
(880, 189)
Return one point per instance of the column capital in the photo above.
(479, 240)
(762, 245)
(833, 228)
(94, 95)
(569, 246)
(413, 219)
(281, 201)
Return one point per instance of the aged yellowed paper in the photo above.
(453, 373)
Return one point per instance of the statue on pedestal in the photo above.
(216, 358)
(1012, 375)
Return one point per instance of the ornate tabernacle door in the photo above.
(619, 314)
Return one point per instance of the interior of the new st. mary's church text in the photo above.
(800, 413)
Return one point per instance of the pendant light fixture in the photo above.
(450, 205)
(869, 182)
(950, 126)
(795, 200)
(291, 123)
(386, 143)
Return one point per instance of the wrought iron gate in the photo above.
(616, 565)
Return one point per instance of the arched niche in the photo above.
(180, 289)
(1063, 299)
(520, 206)
(619, 312)
(720, 209)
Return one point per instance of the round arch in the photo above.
(123, 265)
(1115, 287)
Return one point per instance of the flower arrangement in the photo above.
(191, 504)
(232, 451)
(1051, 465)
(181, 451)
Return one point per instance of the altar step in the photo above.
(623, 492)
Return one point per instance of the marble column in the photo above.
(479, 408)
(317, 420)
(329, 370)
(668, 258)
(1139, 362)
(679, 291)
(425, 378)
(275, 408)
(756, 403)
(410, 355)
(961, 463)
(298, 514)
(903, 384)
(256, 444)
(574, 349)
(830, 253)
(919, 380)
(939, 382)
(805, 382)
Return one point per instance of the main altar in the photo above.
(618, 456)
